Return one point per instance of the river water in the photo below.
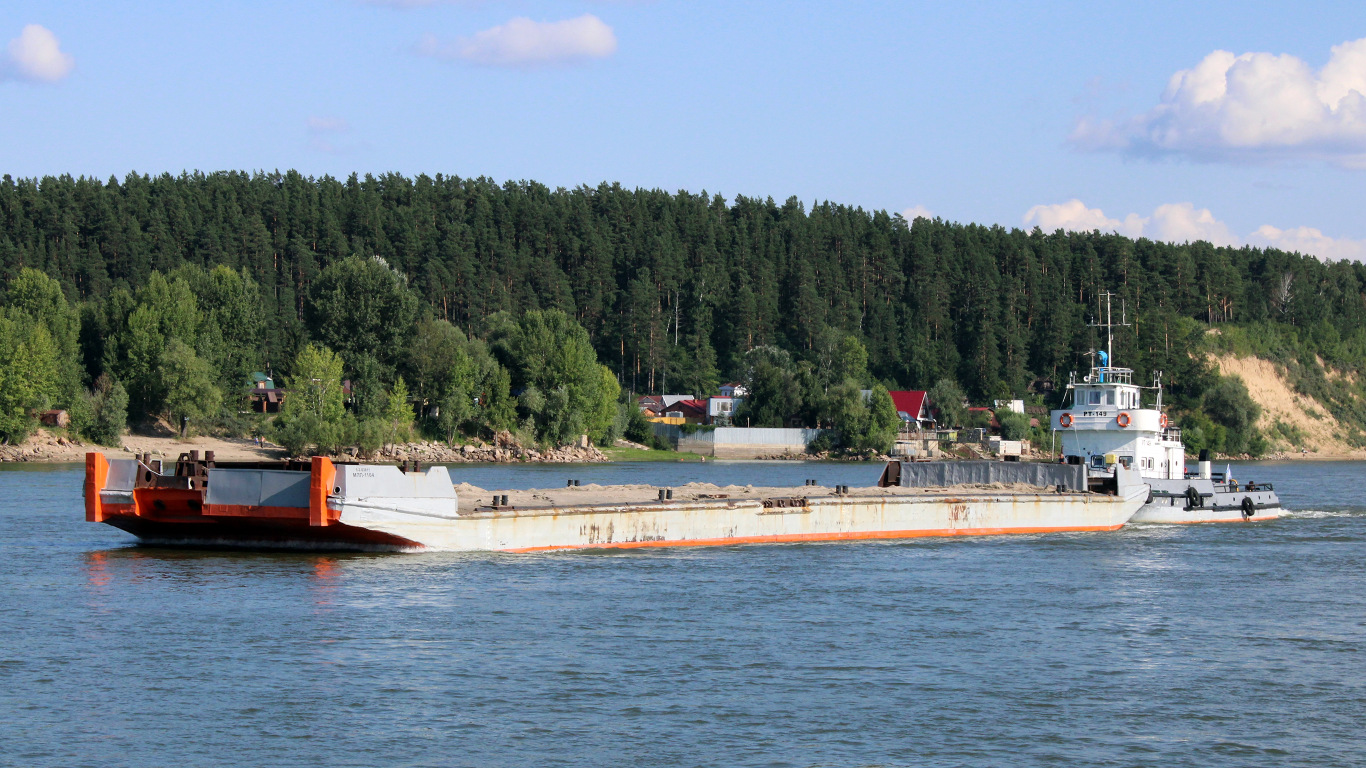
(1228, 645)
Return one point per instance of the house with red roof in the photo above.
(692, 410)
(913, 408)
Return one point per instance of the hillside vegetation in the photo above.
(204, 278)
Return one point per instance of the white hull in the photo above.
(722, 522)
(1170, 502)
(1152, 513)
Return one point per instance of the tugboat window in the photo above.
(1098, 461)
(1094, 397)
(1126, 461)
(1110, 398)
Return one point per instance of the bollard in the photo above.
(661, 494)
(505, 499)
(669, 494)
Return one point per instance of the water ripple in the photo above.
(1161, 645)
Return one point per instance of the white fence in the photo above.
(738, 442)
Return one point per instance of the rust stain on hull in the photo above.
(815, 537)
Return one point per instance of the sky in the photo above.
(1238, 123)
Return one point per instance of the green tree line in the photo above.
(174, 286)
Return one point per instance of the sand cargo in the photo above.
(325, 505)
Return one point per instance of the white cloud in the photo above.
(36, 56)
(324, 130)
(1171, 222)
(317, 124)
(522, 42)
(917, 212)
(1074, 216)
(1311, 241)
(1184, 223)
(1253, 106)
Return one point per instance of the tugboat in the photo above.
(1109, 426)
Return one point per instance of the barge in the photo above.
(321, 504)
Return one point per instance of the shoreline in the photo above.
(48, 448)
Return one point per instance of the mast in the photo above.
(1109, 324)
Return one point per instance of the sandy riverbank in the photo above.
(48, 447)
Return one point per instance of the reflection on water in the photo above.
(1235, 645)
(97, 569)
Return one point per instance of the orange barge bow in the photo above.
(255, 505)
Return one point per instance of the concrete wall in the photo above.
(738, 442)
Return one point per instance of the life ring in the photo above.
(1065, 420)
(1122, 419)
(1162, 420)
(1249, 509)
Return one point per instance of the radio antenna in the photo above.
(1109, 325)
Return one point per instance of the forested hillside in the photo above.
(673, 290)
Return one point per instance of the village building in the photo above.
(673, 409)
(265, 396)
(913, 408)
(721, 410)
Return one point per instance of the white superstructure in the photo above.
(1106, 422)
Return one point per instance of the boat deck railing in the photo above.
(1223, 485)
(1109, 375)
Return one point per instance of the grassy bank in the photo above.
(639, 454)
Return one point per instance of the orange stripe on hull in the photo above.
(833, 536)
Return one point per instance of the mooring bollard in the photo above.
(669, 494)
(661, 494)
(505, 499)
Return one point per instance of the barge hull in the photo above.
(323, 505)
(694, 523)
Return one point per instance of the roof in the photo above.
(910, 403)
(690, 407)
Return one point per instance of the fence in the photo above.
(737, 442)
